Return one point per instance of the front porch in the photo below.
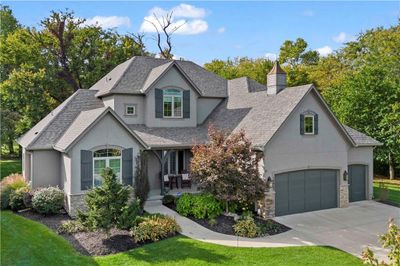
(154, 194)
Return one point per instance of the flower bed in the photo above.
(224, 224)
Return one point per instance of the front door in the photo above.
(357, 182)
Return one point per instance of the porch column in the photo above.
(162, 159)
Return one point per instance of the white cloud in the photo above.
(271, 56)
(308, 13)
(186, 18)
(343, 37)
(221, 30)
(325, 50)
(108, 22)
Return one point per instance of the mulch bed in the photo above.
(88, 243)
(225, 224)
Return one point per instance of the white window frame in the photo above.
(313, 125)
(173, 103)
(107, 159)
(128, 106)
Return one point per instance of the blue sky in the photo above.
(229, 29)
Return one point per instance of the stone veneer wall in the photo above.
(74, 203)
(266, 206)
(344, 196)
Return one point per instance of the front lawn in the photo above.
(8, 167)
(25, 242)
(393, 193)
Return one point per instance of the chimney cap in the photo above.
(276, 69)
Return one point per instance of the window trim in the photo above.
(313, 124)
(107, 159)
(130, 105)
(173, 103)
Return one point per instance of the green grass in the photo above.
(393, 194)
(25, 242)
(9, 167)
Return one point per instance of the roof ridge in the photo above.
(143, 90)
(69, 99)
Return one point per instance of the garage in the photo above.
(357, 182)
(306, 190)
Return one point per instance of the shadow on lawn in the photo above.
(176, 249)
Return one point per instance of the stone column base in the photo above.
(74, 203)
(344, 196)
(266, 206)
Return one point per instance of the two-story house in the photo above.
(165, 106)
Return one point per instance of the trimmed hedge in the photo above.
(48, 200)
(200, 206)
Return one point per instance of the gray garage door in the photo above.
(306, 190)
(357, 178)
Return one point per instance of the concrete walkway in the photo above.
(350, 229)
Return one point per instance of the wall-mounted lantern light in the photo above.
(345, 175)
(269, 182)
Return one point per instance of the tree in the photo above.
(256, 69)
(8, 22)
(370, 88)
(227, 167)
(165, 28)
(105, 203)
(296, 60)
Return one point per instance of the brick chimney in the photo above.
(276, 79)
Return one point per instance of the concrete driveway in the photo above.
(350, 229)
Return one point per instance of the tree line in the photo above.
(40, 68)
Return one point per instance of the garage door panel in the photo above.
(282, 194)
(296, 192)
(357, 180)
(305, 190)
(313, 190)
(328, 189)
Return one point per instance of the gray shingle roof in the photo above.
(360, 138)
(78, 126)
(138, 73)
(50, 128)
(259, 114)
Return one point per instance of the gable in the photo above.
(330, 137)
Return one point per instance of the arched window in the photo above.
(106, 158)
(172, 103)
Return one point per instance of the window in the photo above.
(172, 103)
(130, 109)
(309, 124)
(106, 158)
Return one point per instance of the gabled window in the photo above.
(172, 103)
(309, 123)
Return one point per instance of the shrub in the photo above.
(28, 197)
(246, 228)
(71, 227)
(5, 193)
(154, 228)
(48, 200)
(14, 181)
(8, 185)
(168, 200)
(212, 222)
(201, 206)
(129, 214)
(184, 204)
(390, 241)
(17, 198)
(105, 203)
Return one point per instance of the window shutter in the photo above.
(302, 124)
(159, 103)
(127, 167)
(186, 104)
(315, 124)
(86, 170)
